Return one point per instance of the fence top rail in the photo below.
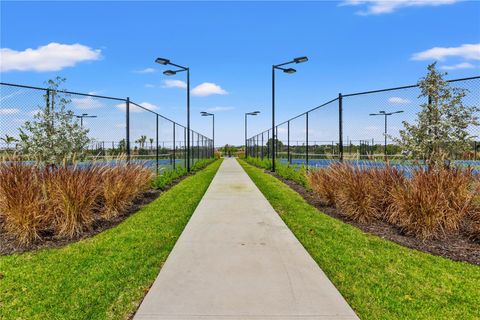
(362, 93)
(403, 87)
(62, 91)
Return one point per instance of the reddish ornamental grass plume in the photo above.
(64, 200)
(429, 204)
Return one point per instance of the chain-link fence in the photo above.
(360, 127)
(118, 129)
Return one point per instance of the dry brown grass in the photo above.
(64, 200)
(430, 204)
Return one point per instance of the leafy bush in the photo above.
(54, 135)
(166, 178)
(290, 172)
(64, 201)
(162, 181)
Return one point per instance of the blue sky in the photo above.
(352, 46)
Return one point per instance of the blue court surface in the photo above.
(403, 166)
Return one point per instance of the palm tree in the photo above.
(8, 140)
(141, 141)
(151, 143)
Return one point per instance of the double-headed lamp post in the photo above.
(164, 61)
(254, 113)
(386, 114)
(84, 115)
(289, 71)
(207, 114)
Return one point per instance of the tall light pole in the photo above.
(164, 61)
(207, 114)
(254, 113)
(386, 114)
(84, 115)
(289, 71)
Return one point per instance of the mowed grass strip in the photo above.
(106, 276)
(378, 278)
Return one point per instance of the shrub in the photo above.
(433, 202)
(162, 181)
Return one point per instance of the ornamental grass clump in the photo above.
(23, 201)
(64, 201)
(72, 195)
(323, 183)
(356, 192)
(429, 204)
(120, 185)
(433, 203)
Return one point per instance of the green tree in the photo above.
(54, 136)
(441, 129)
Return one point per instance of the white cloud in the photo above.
(4, 111)
(174, 84)
(376, 7)
(463, 65)
(146, 70)
(219, 109)
(87, 102)
(398, 100)
(134, 108)
(51, 57)
(208, 88)
(465, 51)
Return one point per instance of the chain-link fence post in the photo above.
(306, 139)
(340, 126)
(127, 142)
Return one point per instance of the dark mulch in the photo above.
(9, 246)
(458, 246)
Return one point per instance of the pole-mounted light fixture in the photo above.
(253, 113)
(385, 114)
(208, 114)
(164, 62)
(288, 71)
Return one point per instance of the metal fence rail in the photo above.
(117, 127)
(351, 127)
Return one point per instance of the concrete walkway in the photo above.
(236, 259)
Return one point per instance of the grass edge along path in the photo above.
(378, 278)
(106, 276)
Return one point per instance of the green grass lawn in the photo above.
(378, 278)
(106, 276)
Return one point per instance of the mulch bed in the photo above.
(9, 246)
(458, 246)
